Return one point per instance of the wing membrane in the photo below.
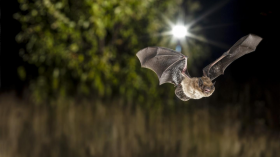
(243, 46)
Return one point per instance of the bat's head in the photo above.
(206, 86)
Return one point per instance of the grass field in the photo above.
(94, 129)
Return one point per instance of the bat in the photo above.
(171, 67)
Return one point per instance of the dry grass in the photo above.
(92, 129)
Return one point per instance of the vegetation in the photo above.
(99, 102)
(99, 129)
(87, 48)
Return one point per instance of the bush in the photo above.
(87, 49)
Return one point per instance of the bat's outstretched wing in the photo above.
(166, 63)
(243, 46)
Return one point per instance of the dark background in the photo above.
(244, 17)
(227, 24)
(244, 110)
(230, 22)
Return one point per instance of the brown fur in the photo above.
(192, 89)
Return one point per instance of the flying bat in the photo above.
(171, 67)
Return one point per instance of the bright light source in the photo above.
(179, 31)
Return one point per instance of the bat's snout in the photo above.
(208, 90)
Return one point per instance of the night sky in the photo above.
(240, 19)
(236, 19)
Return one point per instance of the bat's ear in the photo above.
(204, 73)
(214, 83)
(200, 82)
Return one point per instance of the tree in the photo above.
(87, 48)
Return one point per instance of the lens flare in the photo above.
(182, 31)
(179, 31)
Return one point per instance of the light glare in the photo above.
(179, 31)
